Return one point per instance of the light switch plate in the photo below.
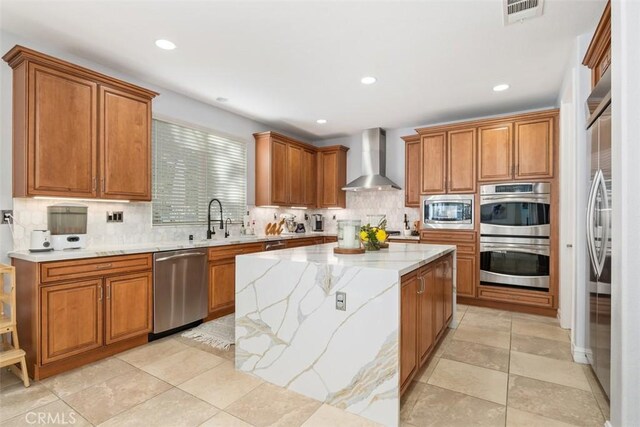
(341, 301)
(115, 216)
(6, 216)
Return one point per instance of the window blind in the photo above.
(192, 166)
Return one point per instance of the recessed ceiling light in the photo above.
(165, 44)
(321, 121)
(222, 99)
(368, 80)
(500, 87)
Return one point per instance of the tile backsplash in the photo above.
(31, 214)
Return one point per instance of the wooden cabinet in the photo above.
(128, 309)
(412, 172)
(448, 162)
(408, 329)
(447, 279)
(292, 173)
(330, 239)
(494, 152)
(222, 276)
(66, 115)
(309, 241)
(534, 149)
(598, 56)
(466, 274)
(125, 149)
(72, 319)
(332, 177)
(426, 306)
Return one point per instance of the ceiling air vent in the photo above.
(519, 10)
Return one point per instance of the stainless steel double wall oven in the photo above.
(514, 234)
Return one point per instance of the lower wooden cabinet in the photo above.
(409, 329)
(426, 315)
(222, 279)
(297, 243)
(128, 306)
(330, 239)
(72, 319)
(466, 268)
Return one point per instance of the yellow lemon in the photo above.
(381, 235)
(363, 236)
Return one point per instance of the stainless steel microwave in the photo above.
(447, 211)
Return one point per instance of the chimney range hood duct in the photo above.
(374, 151)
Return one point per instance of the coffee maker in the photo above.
(317, 223)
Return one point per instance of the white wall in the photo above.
(625, 289)
(168, 105)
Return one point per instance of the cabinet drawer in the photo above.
(448, 236)
(463, 248)
(93, 267)
(515, 296)
(225, 252)
(296, 243)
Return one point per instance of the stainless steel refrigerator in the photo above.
(599, 231)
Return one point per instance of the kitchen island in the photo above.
(347, 330)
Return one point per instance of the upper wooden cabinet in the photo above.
(495, 152)
(412, 171)
(448, 162)
(332, 176)
(533, 148)
(76, 132)
(292, 173)
(598, 56)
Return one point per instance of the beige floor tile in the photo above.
(409, 398)
(487, 321)
(555, 371)
(441, 407)
(475, 381)
(518, 418)
(566, 404)
(84, 377)
(183, 366)
(221, 386)
(541, 346)
(488, 337)
(598, 393)
(105, 400)
(328, 415)
(462, 307)
(269, 405)
(229, 354)
(425, 373)
(152, 352)
(540, 330)
(55, 413)
(8, 378)
(174, 407)
(222, 419)
(535, 318)
(17, 399)
(490, 311)
(478, 355)
(444, 342)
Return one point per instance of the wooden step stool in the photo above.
(10, 353)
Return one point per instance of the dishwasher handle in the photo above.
(273, 246)
(188, 254)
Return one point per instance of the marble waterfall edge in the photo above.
(289, 333)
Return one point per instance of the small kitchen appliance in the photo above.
(317, 222)
(447, 211)
(40, 241)
(68, 225)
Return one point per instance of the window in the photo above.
(192, 166)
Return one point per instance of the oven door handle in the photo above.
(513, 248)
(488, 200)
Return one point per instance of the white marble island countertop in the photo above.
(290, 332)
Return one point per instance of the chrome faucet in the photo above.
(212, 231)
(226, 228)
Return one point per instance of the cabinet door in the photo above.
(71, 319)
(426, 333)
(466, 275)
(62, 134)
(329, 179)
(534, 149)
(448, 288)
(222, 279)
(310, 180)
(495, 159)
(125, 145)
(128, 306)
(279, 173)
(295, 188)
(438, 315)
(412, 174)
(408, 328)
(434, 164)
(461, 155)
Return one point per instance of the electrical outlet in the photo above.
(341, 301)
(6, 216)
(115, 216)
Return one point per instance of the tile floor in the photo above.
(498, 368)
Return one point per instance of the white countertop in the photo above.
(400, 257)
(403, 237)
(144, 247)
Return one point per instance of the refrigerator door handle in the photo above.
(606, 215)
(590, 221)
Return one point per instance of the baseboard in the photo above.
(579, 354)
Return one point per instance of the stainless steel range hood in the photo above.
(374, 163)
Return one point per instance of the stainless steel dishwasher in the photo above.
(180, 280)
